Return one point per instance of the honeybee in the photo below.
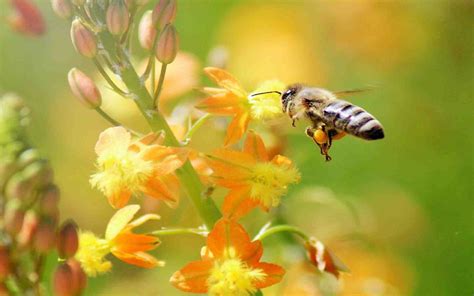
(330, 117)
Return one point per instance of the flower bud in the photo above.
(83, 39)
(167, 46)
(13, 216)
(63, 281)
(79, 276)
(28, 156)
(164, 13)
(48, 201)
(146, 30)
(84, 88)
(117, 17)
(39, 172)
(62, 8)
(5, 263)
(68, 240)
(45, 237)
(19, 187)
(27, 18)
(28, 229)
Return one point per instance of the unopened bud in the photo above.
(14, 216)
(164, 13)
(117, 17)
(83, 39)
(28, 156)
(39, 172)
(27, 18)
(84, 88)
(146, 30)
(68, 240)
(45, 237)
(63, 281)
(62, 8)
(28, 229)
(49, 200)
(79, 276)
(19, 187)
(5, 263)
(168, 44)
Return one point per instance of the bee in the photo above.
(330, 117)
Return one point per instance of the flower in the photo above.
(27, 18)
(232, 99)
(230, 265)
(120, 241)
(253, 179)
(127, 167)
(323, 258)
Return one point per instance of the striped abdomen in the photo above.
(352, 119)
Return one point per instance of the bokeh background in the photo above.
(399, 212)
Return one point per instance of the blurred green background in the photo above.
(411, 192)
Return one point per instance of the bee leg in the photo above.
(324, 147)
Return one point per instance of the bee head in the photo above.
(288, 95)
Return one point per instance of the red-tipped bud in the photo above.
(164, 13)
(146, 30)
(83, 39)
(79, 276)
(13, 216)
(68, 240)
(27, 18)
(49, 200)
(323, 258)
(168, 44)
(117, 17)
(45, 237)
(84, 88)
(62, 8)
(28, 229)
(5, 263)
(63, 281)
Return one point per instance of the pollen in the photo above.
(121, 171)
(269, 182)
(233, 277)
(91, 254)
(266, 106)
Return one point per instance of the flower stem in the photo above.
(160, 84)
(115, 122)
(196, 126)
(178, 231)
(281, 228)
(107, 78)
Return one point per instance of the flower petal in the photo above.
(274, 274)
(140, 259)
(226, 80)
(113, 139)
(238, 203)
(145, 218)
(120, 220)
(237, 128)
(193, 277)
(225, 103)
(254, 145)
(228, 238)
(166, 191)
(129, 242)
(120, 199)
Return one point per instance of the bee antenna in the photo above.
(266, 92)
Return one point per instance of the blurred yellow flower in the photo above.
(120, 241)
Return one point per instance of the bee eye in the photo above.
(286, 94)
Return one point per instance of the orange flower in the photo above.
(120, 241)
(127, 167)
(231, 99)
(323, 258)
(230, 265)
(253, 179)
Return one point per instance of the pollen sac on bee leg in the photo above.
(321, 138)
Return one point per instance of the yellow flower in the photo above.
(231, 99)
(120, 241)
(127, 167)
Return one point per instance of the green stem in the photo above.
(178, 231)
(159, 88)
(107, 78)
(196, 126)
(281, 228)
(115, 122)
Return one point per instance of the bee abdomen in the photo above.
(352, 119)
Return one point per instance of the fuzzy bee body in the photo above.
(329, 114)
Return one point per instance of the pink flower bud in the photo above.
(68, 241)
(5, 263)
(146, 30)
(45, 237)
(27, 18)
(164, 13)
(48, 201)
(62, 8)
(39, 173)
(28, 229)
(84, 88)
(63, 281)
(83, 39)
(19, 187)
(79, 276)
(167, 46)
(117, 17)
(13, 216)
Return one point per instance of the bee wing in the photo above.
(345, 93)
